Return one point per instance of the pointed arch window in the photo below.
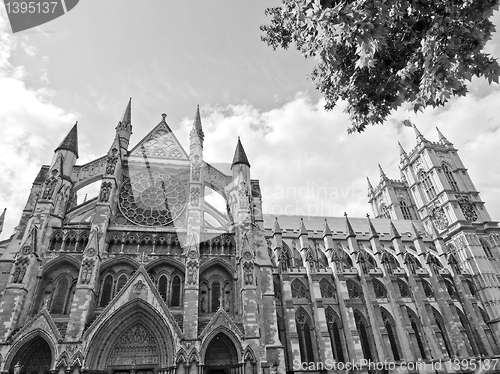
(428, 291)
(303, 325)
(442, 332)
(362, 328)
(403, 289)
(486, 248)
(106, 291)
(175, 298)
(405, 209)
(449, 176)
(162, 287)
(298, 289)
(215, 296)
(385, 212)
(122, 279)
(334, 332)
(326, 288)
(353, 289)
(428, 186)
(414, 325)
(60, 296)
(390, 327)
(379, 289)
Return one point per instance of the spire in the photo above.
(394, 231)
(2, 219)
(370, 187)
(442, 138)
(70, 142)
(126, 121)
(416, 234)
(197, 128)
(349, 231)
(302, 228)
(382, 174)
(402, 153)
(373, 232)
(239, 155)
(326, 229)
(276, 227)
(418, 135)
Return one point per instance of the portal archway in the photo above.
(34, 357)
(221, 356)
(135, 336)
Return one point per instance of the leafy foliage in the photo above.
(378, 54)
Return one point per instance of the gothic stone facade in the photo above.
(148, 277)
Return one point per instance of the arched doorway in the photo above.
(134, 339)
(221, 355)
(34, 357)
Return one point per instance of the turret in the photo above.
(66, 154)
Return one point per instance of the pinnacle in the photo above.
(126, 121)
(197, 128)
(402, 152)
(197, 119)
(349, 231)
(394, 231)
(276, 228)
(302, 228)
(415, 232)
(370, 187)
(373, 232)
(326, 229)
(382, 174)
(442, 138)
(70, 142)
(418, 135)
(240, 156)
(127, 115)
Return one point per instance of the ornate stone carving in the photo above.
(137, 346)
(91, 252)
(105, 191)
(248, 273)
(192, 268)
(244, 195)
(20, 269)
(86, 273)
(195, 169)
(138, 286)
(50, 185)
(195, 196)
(152, 199)
(440, 219)
(111, 161)
(467, 208)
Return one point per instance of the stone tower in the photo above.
(447, 200)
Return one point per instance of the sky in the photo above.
(171, 56)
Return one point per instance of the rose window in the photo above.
(152, 199)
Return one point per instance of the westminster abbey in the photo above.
(149, 278)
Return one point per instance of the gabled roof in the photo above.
(160, 143)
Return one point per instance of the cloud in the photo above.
(308, 165)
(29, 126)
